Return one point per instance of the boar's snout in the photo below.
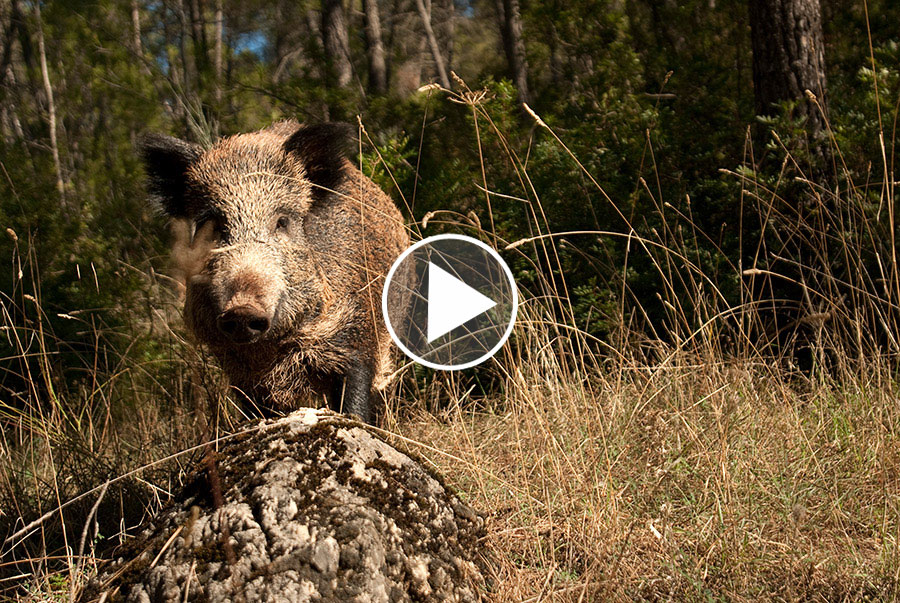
(243, 324)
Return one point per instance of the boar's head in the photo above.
(246, 198)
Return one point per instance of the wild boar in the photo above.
(293, 243)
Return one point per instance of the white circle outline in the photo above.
(512, 317)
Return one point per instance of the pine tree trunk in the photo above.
(514, 45)
(189, 66)
(433, 44)
(788, 56)
(446, 30)
(393, 19)
(375, 48)
(51, 106)
(220, 26)
(198, 34)
(136, 28)
(556, 65)
(335, 41)
(7, 41)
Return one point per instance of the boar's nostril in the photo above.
(243, 324)
(261, 325)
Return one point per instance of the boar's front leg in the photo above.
(355, 397)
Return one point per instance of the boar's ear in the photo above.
(322, 148)
(167, 160)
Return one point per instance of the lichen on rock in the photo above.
(312, 507)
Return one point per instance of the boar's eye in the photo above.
(283, 223)
(212, 223)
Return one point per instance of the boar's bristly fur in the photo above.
(289, 247)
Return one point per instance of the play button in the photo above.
(449, 302)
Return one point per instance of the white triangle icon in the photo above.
(451, 302)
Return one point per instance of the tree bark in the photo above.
(375, 48)
(556, 65)
(51, 105)
(189, 66)
(7, 42)
(198, 33)
(393, 19)
(446, 30)
(433, 44)
(788, 57)
(335, 42)
(136, 28)
(510, 18)
(220, 26)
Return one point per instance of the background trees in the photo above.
(653, 97)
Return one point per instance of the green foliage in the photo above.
(654, 99)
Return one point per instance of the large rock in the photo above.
(311, 507)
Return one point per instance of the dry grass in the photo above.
(657, 466)
(683, 481)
